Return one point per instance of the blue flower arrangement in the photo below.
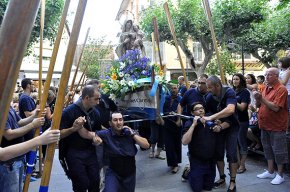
(125, 74)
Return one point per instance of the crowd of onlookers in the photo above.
(214, 120)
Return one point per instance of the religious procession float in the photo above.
(134, 82)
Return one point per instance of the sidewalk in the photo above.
(153, 175)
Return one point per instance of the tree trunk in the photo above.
(208, 53)
(264, 61)
(187, 52)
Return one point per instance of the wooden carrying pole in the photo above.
(61, 93)
(214, 41)
(154, 47)
(48, 79)
(156, 39)
(79, 61)
(14, 36)
(80, 81)
(42, 16)
(172, 29)
(68, 101)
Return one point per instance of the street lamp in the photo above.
(231, 45)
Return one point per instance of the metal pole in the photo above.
(243, 60)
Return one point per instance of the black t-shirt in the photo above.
(243, 96)
(202, 145)
(69, 115)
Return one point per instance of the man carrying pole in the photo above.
(79, 153)
(11, 171)
(60, 97)
(48, 81)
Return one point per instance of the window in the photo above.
(197, 51)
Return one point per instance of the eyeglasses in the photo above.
(201, 83)
(269, 74)
(198, 108)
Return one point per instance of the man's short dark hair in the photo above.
(262, 77)
(285, 62)
(93, 82)
(25, 82)
(195, 104)
(89, 90)
(215, 80)
(113, 112)
(203, 76)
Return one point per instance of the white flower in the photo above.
(121, 74)
(115, 86)
(122, 65)
(127, 75)
(112, 96)
(131, 83)
(123, 82)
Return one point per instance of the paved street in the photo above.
(153, 175)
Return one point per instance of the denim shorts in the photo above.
(275, 146)
(11, 176)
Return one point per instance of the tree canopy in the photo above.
(263, 30)
(93, 56)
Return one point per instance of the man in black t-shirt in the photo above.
(201, 140)
(79, 153)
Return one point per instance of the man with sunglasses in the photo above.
(192, 95)
(79, 153)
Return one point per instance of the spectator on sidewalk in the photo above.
(273, 122)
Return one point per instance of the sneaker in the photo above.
(277, 180)
(266, 175)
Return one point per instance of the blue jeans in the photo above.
(11, 176)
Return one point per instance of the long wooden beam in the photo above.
(79, 61)
(214, 41)
(61, 93)
(172, 29)
(42, 16)
(14, 36)
(48, 80)
(156, 38)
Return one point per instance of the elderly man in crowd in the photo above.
(273, 122)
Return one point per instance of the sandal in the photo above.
(233, 180)
(240, 171)
(174, 170)
(160, 157)
(257, 147)
(252, 145)
(221, 182)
